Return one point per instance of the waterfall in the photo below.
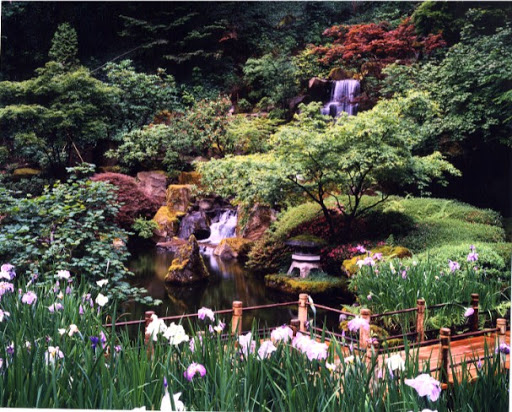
(224, 228)
(342, 97)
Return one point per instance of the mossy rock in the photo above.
(110, 169)
(26, 172)
(188, 265)
(179, 197)
(350, 267)
(233, 248)
(168, 223)
(189, 178)
(311, 285)
(340, 74)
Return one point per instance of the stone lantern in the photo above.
(306, 254)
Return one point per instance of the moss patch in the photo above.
(312, 284)
(167, 217)
(350, 267)
(26, 172)
(189, 178)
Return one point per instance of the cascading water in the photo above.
(224, 228)
(342, 97)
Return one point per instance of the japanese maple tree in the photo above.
(368, 48)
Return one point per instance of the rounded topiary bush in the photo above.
(489, 258)
(135, 203)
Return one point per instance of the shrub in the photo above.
(144, 228)
(433, 232)
(421, 208)
(315, 283)
(489, 259)
(71, 226)
(250, 134)
(270, 254)
(134, 202)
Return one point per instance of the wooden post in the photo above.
(420, 320)
(445, 353)
(474, 317)
(236, 321)
(303, 311)
(501, 324)
(295, 326)
(364, 334)
(147, 318)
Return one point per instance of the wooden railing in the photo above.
(362, 341)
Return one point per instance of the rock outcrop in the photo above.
(168, 224)
(189, 178)
(195, 223)
(178, 197)
(233, 248)
(188, 265)
(154, 185)
(259, 220)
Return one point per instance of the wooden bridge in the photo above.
(446, 355)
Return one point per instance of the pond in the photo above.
(228, 281)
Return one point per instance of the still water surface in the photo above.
(228, 281)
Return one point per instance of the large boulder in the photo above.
(168, 224)
(233, 248)
(179, 197)
(154, 185)
(194, 223)
(259, 220)
(188, 265)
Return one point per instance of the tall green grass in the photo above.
(397, 285)
(104, 378)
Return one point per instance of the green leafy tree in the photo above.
(64, 49)
(273, 77)
(175, 137)
(143, 95)
(471, 85)
(373, 152)
(71, 226)
(52, 119)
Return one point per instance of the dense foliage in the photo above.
(71, 226)
(314, 157)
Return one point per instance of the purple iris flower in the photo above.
(472, 257)
(453, 266)
(29, 298)
(425, 385)
(193, 369)
(94, 341)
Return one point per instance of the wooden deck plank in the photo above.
(468, 350)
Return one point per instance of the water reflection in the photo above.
(228, 281)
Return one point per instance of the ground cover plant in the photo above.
(56, 353)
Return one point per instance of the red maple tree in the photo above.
(368, 48)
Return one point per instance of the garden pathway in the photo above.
(470, 350)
